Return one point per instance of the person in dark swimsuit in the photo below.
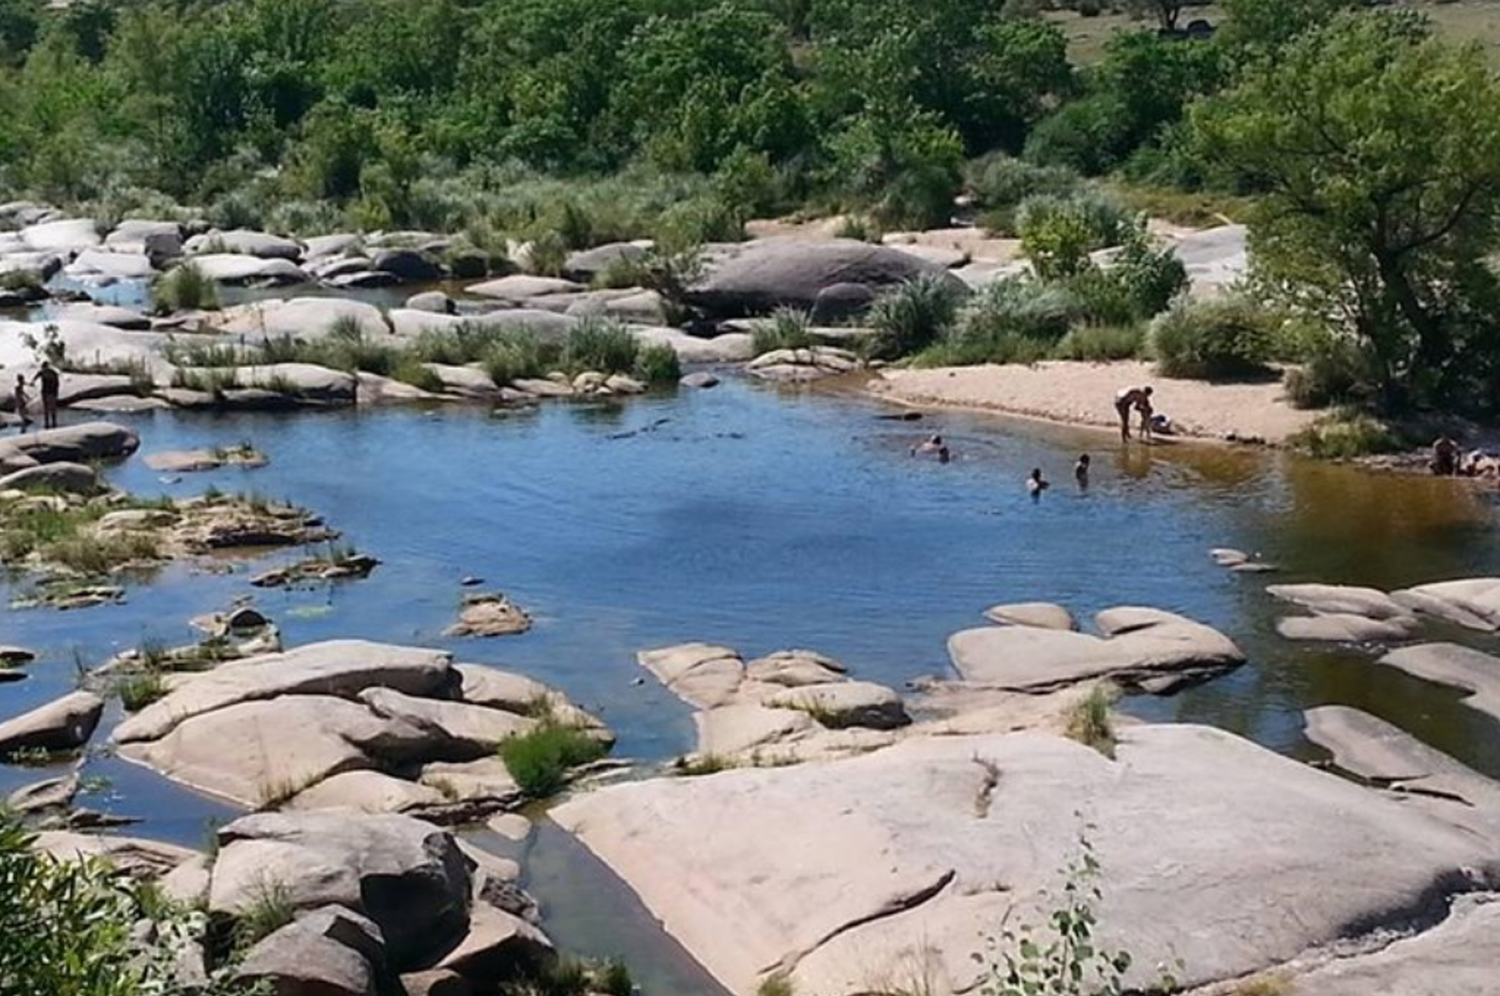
(51, 383)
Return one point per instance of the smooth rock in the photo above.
(53, 793)
(188, 882)
(262, 753)
(813, 870)
(703, 675)
(701, 379)
(462, 732)
(584, 266)
(237, 268)
(466, 382)
(1450, 664)
(520, 287)
(731, 347)
(437, 982)
(735, 729)
(1168, 653)
(407, 876)
(104, 314)
(66, 235)
(343, 668)
(134, 856)
(498, 947)
(244, 242)
(408, 265)
(434, 301)
(68, 478)
(74, 443)
(795, 668)
(776, 272)
(1345, 628)
(1471, 602)
(12, 656)
(1340, 599)
(367, 792)
(312, 956)
(489, 615)
(846, 703)
(511, 826)
(1044, 615)
(303, 318)
(486, 781)
(60, 725)
(487, 686)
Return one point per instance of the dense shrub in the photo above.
(1218, 338)
(183, 288)
(1345, 436)
(787, 328)
(658, 363)
(1000, 183)
(911, 316)
(539, 760)
(1058, 233)
(1336, 371)
(1018, 306)
(600, 344)
(1099, 343)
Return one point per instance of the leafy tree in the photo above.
(1260, 28)
(1377, 149)
(20, 23)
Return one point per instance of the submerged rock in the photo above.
(1342, 627)
(1450, 664)
(1339, 599)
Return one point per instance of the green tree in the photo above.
(1166, 12)
(1376, 148)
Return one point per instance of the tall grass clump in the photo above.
(1346, 435)
(787, 328)
(184, 288)
(512, 355)
(540, 759)
(657, 363)
(1015, 320)
(137, 691)
(547, 255)
(601, 344)
(1089, 721)
(1214, 339)
(912, 315)
(1101, 343)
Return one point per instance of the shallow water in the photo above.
(765, 519)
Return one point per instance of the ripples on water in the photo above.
(766, 520)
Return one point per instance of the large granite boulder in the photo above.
(1330, 599)
(369, 792)
(67, 478)
(587, 264)
(1461, 667)
(787, 272)
(1150, 649)
(79, 443)
(241, 268)
(263, 752)
(64, 235)
(331, 951)
(1471, 602)
(244, 242)
(407, 876)
(300, 318)
(63, 724)
(341, 668)
(460, 732)
(836, 873)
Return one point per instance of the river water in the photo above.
(767, 519)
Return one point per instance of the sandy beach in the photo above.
(1083, 394)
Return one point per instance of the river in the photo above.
(767, 519)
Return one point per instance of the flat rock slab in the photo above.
(489, 615)
(704, 675)
(836, 871)
(735, 729)
(11, 656)
(337, 667)
(1042, 615)
(189, 461)
(260, 753)
(1451, 664)
(795, 668)
(841, 704)
(1471, 602)
(1458, 956)
(1340, 599)
(136, 857)
(1163, 649)
(1342, 627)
(367, 792)
(64, 724)
(461, 731)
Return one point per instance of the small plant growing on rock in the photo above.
(775, 984)
(657, 363)
(787, 328)
(184, 288)
(270, 909)
(540, 759)
(137, 691)
(1061, 958)
(1089, 722)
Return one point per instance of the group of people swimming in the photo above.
(1449, 461)
(1036, 483)
(50, 383)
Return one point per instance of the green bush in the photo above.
(787, 328)
(1223, 337)
(548, 255)
(1058, 233)
(513, 355)
(911, 316)
(1101, 343)
(183, 288)
(657, 363)
(540, 760)
(1346, 436)
(1336, 372)
(600, 344)
(1000, 183)
(1019, 306)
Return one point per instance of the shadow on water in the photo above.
(765, 519)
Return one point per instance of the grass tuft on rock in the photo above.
(1089, 720)
(137, 691)
(540, 759)
(270, 909)
(184, 288)
(787, 328)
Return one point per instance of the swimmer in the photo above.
(933, 444)
(1081, 471)
(1138, 398)
(1035, 484)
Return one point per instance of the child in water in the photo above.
(1035, 484)
(1081, 470)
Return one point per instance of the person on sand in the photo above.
(1138, 398)
(48, 378)
(22, 402)
(1444, 456)
(1035, 484)
(1081, 471)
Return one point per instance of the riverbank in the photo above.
(1082, 394)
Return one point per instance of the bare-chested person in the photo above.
(1139, 399)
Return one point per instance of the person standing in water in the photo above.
(51, 382)
(22, 402)
(1081, 472)
(1035, 484)
(1139, 399)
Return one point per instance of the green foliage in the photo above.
(270, 908)
(1000, 183)
(539, 760)
(1380, 196)
(1058, 233)
(1101, 343)
(1061, 957)
(183, 288)
(1224, 337)
(911, 316)
(547, 256)
(787, 328)
(1336, 372)
(1345, 436)
(1089, 721)
(657, 363)
(1017, 306)
(137, 691)
(775, 984)
(512, 356)
(600, 344)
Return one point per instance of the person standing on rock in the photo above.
(22, 402)
(1138, 398)
(51, 383)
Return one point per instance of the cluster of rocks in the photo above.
(347, 723)
(60, 460)
(375, 904)
(1360, 614)
(489, 613)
